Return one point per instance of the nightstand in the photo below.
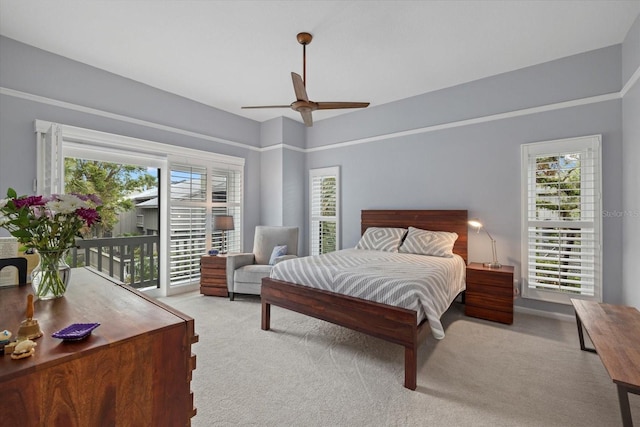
(489, 293)
(213, 275)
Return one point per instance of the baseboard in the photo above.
(542, 313)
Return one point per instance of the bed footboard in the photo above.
(393, 324)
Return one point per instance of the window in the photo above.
(197, 194)
(325, 210)
(226, 195)
(198, 185)
(188, 222)
(561, 233)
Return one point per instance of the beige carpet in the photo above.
(306, 372)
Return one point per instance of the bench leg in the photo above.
(581, 336)
(625, 410)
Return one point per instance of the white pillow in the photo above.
(424, 242)
(381, 239)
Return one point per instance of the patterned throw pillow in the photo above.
(424, 242)
(278, 251)
(381, 239)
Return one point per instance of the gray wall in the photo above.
(37, 72)
(282, 172)
(476, 166)
(271, 173)
(631, 168)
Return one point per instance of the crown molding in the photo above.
(120, 117)
(340, 144)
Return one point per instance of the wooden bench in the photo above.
(614, 331)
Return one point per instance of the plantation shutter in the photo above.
(188, 222)
(226, 195)
(324, 209)
(50, 161)
(562, 225)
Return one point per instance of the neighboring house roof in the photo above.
(181, 190)
(144, 195)
(149, 204)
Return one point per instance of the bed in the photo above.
(391, 323)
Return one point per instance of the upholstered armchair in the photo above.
(246, 270)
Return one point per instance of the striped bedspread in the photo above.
(425, 284)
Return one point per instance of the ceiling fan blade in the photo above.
(306, 118)
(298, 87)
(268, 106)
(338, 105)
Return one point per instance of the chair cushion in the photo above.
(252, 273)
(268, 237)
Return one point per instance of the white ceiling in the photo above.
(233, 53)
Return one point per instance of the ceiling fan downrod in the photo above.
(304, 39)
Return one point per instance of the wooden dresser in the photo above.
(489, 293)
(134, 369)
(213, 275)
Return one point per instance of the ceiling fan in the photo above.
(302, 104)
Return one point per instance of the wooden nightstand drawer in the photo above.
(494, 291)
(217, 261)
(489, 293)
(210, 273)
(213, 281)
(490, 278)
(213, 275)
(214, 291)
(489, 314)
(489, 301)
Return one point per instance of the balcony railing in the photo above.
(132, 260)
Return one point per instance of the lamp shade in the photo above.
(223, 222)
(475, 222)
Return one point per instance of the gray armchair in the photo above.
(246, 270)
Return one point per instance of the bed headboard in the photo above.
(434, 220)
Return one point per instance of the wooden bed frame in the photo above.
(393, 324)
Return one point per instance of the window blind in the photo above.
(226, 195)
(562, 224)
(188, 223)
(50, 161)
(324, 210)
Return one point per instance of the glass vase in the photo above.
(51, 276)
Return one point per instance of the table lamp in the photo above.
(223, 223)
(478, 225)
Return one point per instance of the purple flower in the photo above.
(95, 199)
(28, 201)
(89, 216)
(89, 197)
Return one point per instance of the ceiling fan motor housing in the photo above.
(304, 106)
